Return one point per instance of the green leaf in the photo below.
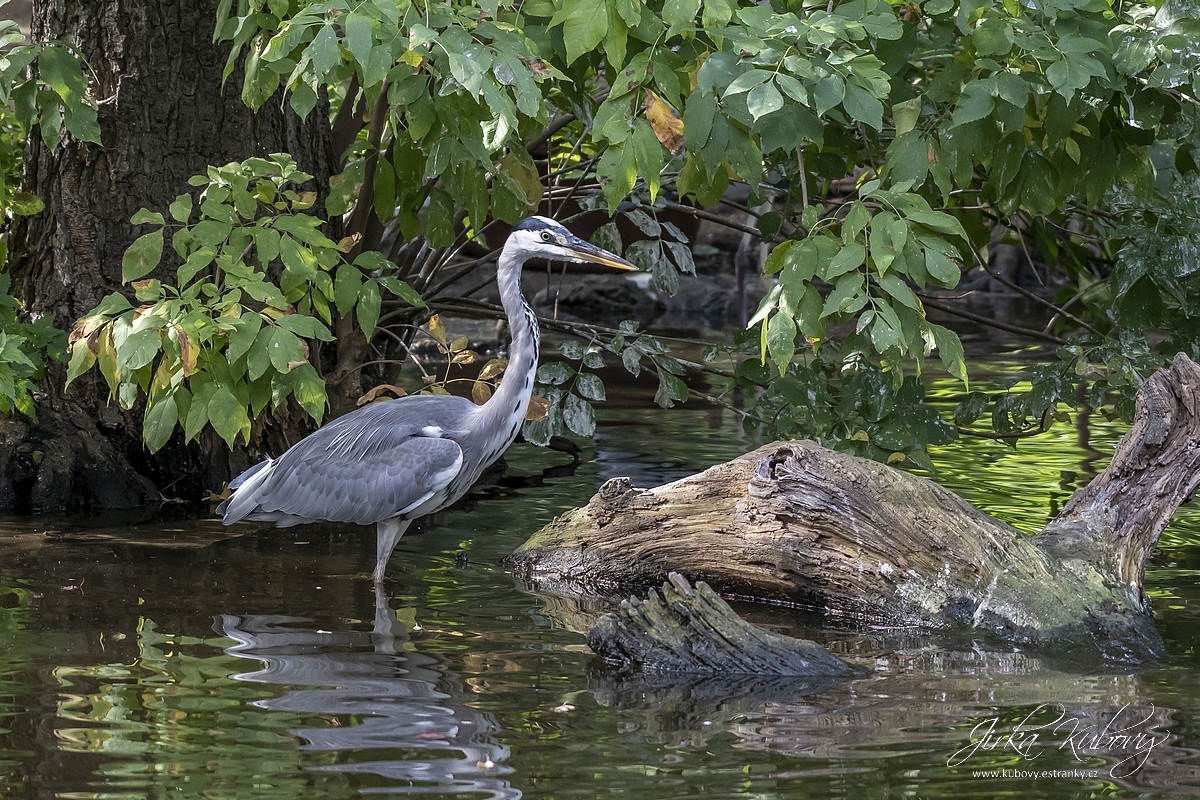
(908, 159)
(583, 25)
(939, 266)
(145, 216)
(670, 389)
(308, 327)
(181, 208)
(402, 290)
(346, 284)
(300, 260)
(138, 350)
(938, 221)
(242, 337)
(751, 79)
(975, 102)
(863, 106)
(556, 373)
(195, 262)
(359, 39)
(679, 15)
(951, 350)
(82, 359)
(763, 99)
(142, 256)
(850, 257)
(993, 37)
(197, 414)
(26, 204)
(781, 340)
(367, 310)
(1012, 87)
(589, 385)
(648, 155)
(829, 91)
(211, 232)
(309, 390)
(285, 348)
(792, 88)
(617, 173)
(895, 286)
(258, 358)
(846, 293)
(906, 114)
(112, 305)
(324, 51)
(159, 422)
(970, 409)
(579, 415)
(227, 415)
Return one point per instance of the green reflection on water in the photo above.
(122, 688)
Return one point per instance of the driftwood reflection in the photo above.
(401, 699)
(957, 714)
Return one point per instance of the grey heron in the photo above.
(391, 462)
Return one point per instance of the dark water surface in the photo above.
(171, 659)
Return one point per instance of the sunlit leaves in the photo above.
(142, 256)
(227, 340)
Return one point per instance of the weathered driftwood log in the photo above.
(693, 631)
(796, 522)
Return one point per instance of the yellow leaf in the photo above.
(188, 351)
(492, 368)
(464, 357)
(374, 394)
(860, 436)
(480, 392)
(666, 125)
(412, 58)
(896, 458)
(347, 244)
(539, 407)
(460, 343)
(437, 330)
(304, 200)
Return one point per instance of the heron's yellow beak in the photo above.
(579, 250)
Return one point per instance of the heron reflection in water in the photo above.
(402, 699)
(389, 463)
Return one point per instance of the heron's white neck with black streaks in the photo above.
(505, 411)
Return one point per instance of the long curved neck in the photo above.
(508, 405)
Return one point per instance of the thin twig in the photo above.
(575, 329)
(1022, 290)
(363, 205)
(1022, 434)
(705, 215)
(991, 323)
(803, 176)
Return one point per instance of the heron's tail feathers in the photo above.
(242, 503)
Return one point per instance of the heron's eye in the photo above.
(546, 236)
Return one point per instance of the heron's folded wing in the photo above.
(386, 480)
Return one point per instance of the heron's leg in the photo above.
(388, 533)
(390, 635)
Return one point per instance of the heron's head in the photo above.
(542, 237)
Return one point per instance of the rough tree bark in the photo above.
(793, 521)
(164, 116)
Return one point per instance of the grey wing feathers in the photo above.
(364, 467)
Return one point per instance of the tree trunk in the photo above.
(164, 116)
(795, 522)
